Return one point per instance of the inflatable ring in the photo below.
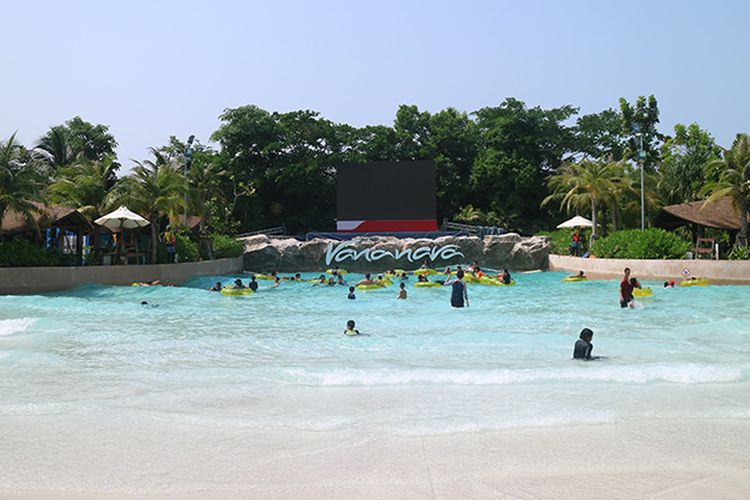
(384, 282)
(340, 271)
(369, 287)
(642, 292)
(470, 278)
(233, 292)
(263, 277)
(573, 279)
(426, 284)
(424, 272)
(695, 282)
(489, 280)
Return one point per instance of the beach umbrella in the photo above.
(122, 218)
(576, 221)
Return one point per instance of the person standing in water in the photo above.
(350, 330)
(351, 295)
(459, 295)
(402, 291)
(582, 349)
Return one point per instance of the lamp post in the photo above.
(188, 155)
(641, 158)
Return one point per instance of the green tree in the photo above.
(641, 118)
(684, 157)
(85, 185)
(77, 139)
(599, 135)
(21, 184)
(520, 148)
(153, 189)
(733, 181)
(588, 183)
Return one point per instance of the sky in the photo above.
(152, 69)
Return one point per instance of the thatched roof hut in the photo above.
(48, 216)
(719, 214)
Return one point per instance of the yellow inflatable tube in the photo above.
(369, 287)
(424, 272)
(234, 292)
(573, 279)
(642, 292)
(426, 284)
(694, 282)
(340, 271)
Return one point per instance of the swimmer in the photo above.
(474, 267)
(459, 295)
(580, 275)
(331, 282)
(340, 280)
(447, 271)
(276, 282)
(582, 349)
(350, 330)
(368, 281)
(669, 284)
(504, 277)
(401, 291)
(351, 295)
(321, 280)
(425, 264)
(144, 303)
(216, 287)
(626, 290)
(253, 285)
(422, 279)
(404, 276)
(238, 284)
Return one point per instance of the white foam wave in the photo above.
(11, 326)
(682, 373)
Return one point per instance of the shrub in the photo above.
(187, 249)
(227, 246)
(560, 239)
(22, 253)
(740, 252)
(652, 243)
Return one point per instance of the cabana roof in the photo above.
(48, 216)
(719, 214)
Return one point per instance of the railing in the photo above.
(480, 231)
(271, 231)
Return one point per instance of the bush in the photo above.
(227, 246)
(187, 249)
(635, 244)
(560, 239)
(22, 253)
(740, 252)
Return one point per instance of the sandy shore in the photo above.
(655, 459)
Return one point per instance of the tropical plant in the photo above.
(733, 181)
(20, 182)
(653, 243)
(226, 246)
(76, 139)
(154, 188)
(584, 184)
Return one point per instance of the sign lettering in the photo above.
(342, 252)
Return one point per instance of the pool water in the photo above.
(279, 360)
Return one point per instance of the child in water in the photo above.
(582, 349)
(351, 295)
(402, 291)
(350, 330)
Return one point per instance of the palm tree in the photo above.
(20, 183)
(84, 185)
(56, 148)
(733, 181)
(154, 188)
(579, 185)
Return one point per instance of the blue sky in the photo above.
(154, 69)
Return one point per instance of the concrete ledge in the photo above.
(14, 280)
(726, 272)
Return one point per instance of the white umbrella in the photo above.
(576, 221)
(122, 218)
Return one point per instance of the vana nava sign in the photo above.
(343, 251)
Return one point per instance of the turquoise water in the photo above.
(279, 359)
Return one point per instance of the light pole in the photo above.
(641, 158)
(188, 155)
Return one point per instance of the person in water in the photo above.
(580, 275)
(669, 284)
(216, 287)
(253, 285)
(404, 276)
(350, 330)
(340, 280)
(422, 279)
(238, 284)
(351, 295)
(276, 282)
(368, 281)
(583, 347)
(401, 291)
(425, 264)
(626, 289)
(331, 282)
(321, 280)
(459, 295)
(505, 277)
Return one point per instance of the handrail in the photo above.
(278, 230)
(480, 231)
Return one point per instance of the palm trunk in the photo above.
(594, 233)
(154, 237)
(742, 237)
